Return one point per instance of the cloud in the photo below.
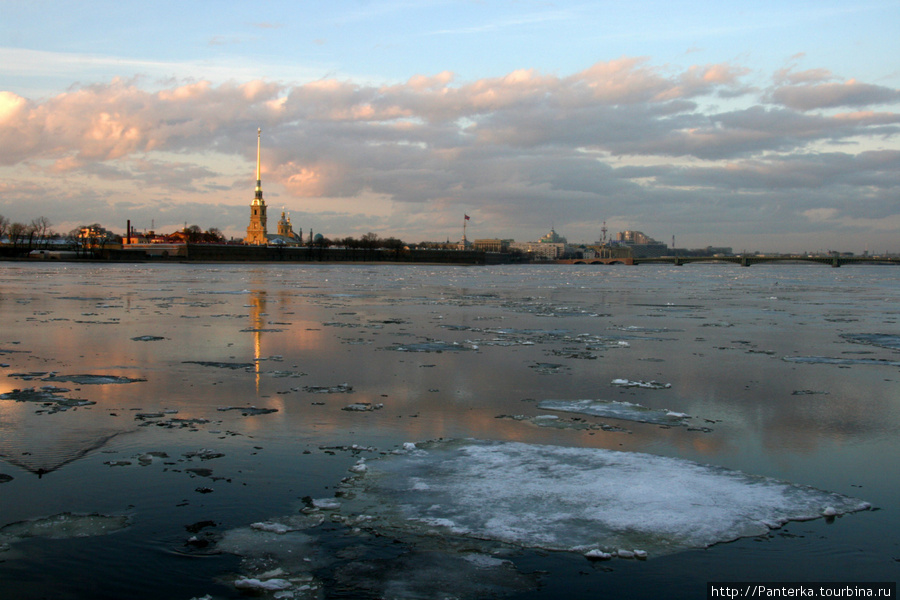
(852, 94)
(619, 138)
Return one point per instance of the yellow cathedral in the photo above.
(256, 230)
(257, 234)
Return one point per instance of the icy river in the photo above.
(207, 431)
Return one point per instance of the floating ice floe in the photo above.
(62, 526)
(649, 385)
(553, 421)
(548, 368)
(341, 388)
(882, 340)
(363, 407)
(433, 346)
(203, 454)
(612, 409)
(825, 360)
(93, 379)
(573, 499)
(249, 410)
(287, 565)
(47, 396)
(221, 365)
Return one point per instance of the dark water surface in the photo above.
(787, 371)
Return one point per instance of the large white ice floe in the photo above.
(574, 499)
(612, 409)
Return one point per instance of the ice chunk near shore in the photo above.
(612, 409)
(575, 499)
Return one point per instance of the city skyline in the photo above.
(751, 125)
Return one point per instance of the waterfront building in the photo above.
(540, 250)
(491, 245)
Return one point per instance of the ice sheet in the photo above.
(574, 499)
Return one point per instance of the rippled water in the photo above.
(217, 396)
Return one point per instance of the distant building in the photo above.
(552, 238)
(540, 250)
(607, 251)
(641, 244)
(286, 235)
(551, 246)
(491, 245)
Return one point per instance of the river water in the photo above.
(152, 414)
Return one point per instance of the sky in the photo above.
(763, 125)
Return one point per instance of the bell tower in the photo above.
(256, 230)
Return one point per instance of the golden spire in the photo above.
(259, 197)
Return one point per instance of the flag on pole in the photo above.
(467, 217)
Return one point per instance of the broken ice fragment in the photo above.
(269, 585)
(363, 407)
(650, 385)
(203, 454)
(433, 346)
(278, 528)
(326, 503)
(612, 409)
(575, 499)
(48, 396)
(341, 388)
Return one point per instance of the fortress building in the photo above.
(256, 230)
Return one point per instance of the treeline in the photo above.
(362, 247)
(36, 234)
(18, 238)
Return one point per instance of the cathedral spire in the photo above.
(256, 230)
(258, 171)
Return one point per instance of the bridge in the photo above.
(744, 261)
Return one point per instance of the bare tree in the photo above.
(39, 231)
(17, 233)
